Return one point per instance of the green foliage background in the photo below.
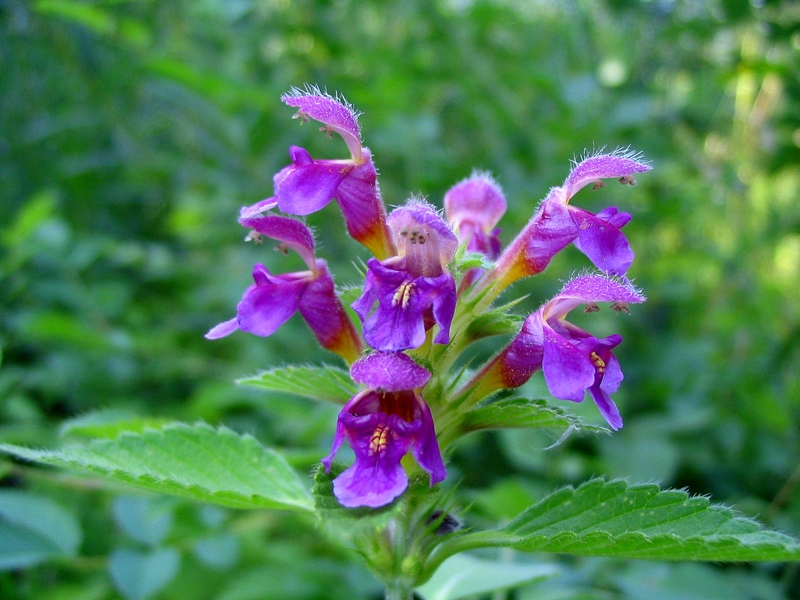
(132, 131)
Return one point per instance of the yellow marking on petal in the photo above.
(380, 439)
(598, 362)
(403, 294)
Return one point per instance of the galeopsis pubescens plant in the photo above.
(428, 282)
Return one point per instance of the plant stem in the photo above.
(399, 589)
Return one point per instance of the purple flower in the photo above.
(381, 424)
(556, 223)
(572, 360)
(273, 299)
(413, 290)
(308, 185)
(474, 207)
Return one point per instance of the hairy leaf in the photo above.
(193, 461)
(602, 518)
(319, 383)
(522, 413)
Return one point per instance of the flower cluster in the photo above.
(429, 278)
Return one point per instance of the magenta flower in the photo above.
(308, 185)
(381, 424)
(556, 223)
(413, 290)
(474, 207)
(273, 299)
(572, 360)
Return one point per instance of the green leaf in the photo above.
(147, 520)
(93, 17)
(522, 413)
(319, 383)
(219, 550)
(34, 528)
(613, 518)
(464, 575)
(108, 423)
(193, 461)
(495, 321)
(139, 575)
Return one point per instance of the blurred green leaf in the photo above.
(89, 15)
(318, 383)
(139, 575)
(464, 575)
(220, 550)
(34, 528)
(147, 520)
(194, 461)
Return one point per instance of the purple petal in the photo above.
(426, 448)
(478, 200)
(418, 213)
(614, 216)
(256, 209)
(607, 407)
(604, 244)
(389, 371)
(613, 376)
(377, 477)
(398, 321)
(444, 306)
(549, 231)
(567, 369)
(589, 289)
(323, 311)
(603, 166)
(523, 356)
(338, 437)
(310, 185)
(335, 113)
(270, 303)
(359, 198)
(290, 232)
(223, 329)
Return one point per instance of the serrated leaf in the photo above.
(492, 322)
(319, 383)
(464, 575)
(613, 518)
(34, 528)
(108, 424)
(523, 413)
(350, 293)
(192, 461)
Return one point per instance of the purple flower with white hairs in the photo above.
(572, 360)
(382, 423)
(556, 223)
(273, 299)
(308, 185)
(413, 290)
(474, 207)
